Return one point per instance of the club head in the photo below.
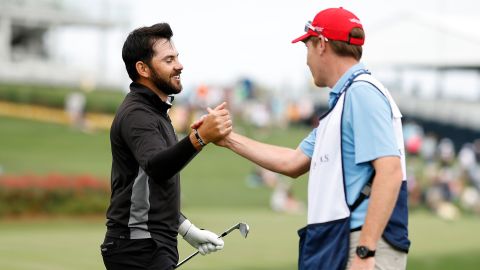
(244, 229)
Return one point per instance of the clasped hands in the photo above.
(215, 125)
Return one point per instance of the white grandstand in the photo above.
(27, 39)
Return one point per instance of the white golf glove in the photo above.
(203, 240)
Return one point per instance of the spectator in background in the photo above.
(445, 185)
(75, 107)
(467, 160)
(413, 135)
(429, 147)
(282, 198)
(476, 149)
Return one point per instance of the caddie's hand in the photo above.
(216, 124)
(203, 240)
(223, 142)
(362, 264)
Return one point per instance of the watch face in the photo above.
(362, 252)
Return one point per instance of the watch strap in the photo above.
(199, 139)
(364, 252)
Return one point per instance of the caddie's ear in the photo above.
(142, 69)
(322, 43)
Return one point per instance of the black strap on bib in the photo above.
(365, 193)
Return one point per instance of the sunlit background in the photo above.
(62, 78)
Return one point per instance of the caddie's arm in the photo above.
(385, 190)
(287, 161)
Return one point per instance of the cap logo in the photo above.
(355, 20)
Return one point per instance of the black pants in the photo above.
(137, 254)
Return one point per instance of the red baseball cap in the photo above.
(334, 24)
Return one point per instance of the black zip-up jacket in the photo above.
(147, 158)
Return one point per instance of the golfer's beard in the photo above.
(165, 86)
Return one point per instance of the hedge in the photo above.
(53, 194)
(99, 100)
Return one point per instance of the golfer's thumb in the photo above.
(221, 106)
(219, 245)
(218, 242)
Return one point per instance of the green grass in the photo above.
(272, 243)
(97, 100)
(36, 147)
(214, 196)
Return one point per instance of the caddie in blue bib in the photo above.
(324, 242)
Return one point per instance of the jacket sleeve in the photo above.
(141, 133)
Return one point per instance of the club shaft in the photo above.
(188, 258)
(229, 230)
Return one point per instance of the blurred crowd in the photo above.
(444, 179)
(248, 102)
(282, 197)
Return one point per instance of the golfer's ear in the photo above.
(142, 69)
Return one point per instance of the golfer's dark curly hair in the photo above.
(139, 46)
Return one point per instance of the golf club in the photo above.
(242, 227)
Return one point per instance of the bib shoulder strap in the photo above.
(377, 84)
(364, 194)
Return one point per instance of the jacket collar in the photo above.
(155, 101)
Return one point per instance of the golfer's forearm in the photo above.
(170, 161)
(385, 189)
(275, 158)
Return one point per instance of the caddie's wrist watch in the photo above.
(364, 252)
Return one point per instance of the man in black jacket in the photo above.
(144, 217)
